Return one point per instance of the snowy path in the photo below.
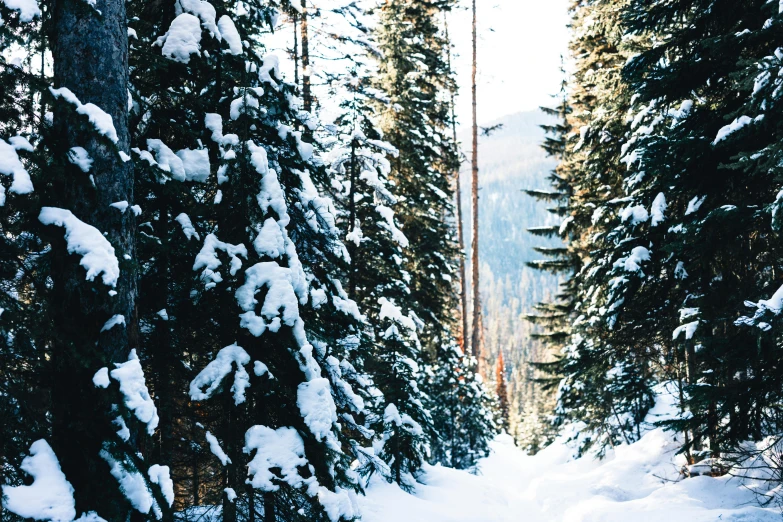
(550, 487)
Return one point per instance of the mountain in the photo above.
(510, 160)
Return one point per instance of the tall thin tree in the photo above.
(474, 260)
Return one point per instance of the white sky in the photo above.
(520, 43)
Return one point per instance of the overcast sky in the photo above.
(519, 47)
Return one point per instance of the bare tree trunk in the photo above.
(90, 55)
(352, 225)
(269, 507)
(296, 51)
(463, 283)
(474, 259)
(306, 94)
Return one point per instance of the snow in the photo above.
(388, 215)
(92, 516)
(187, 227)
(97, 116)
(207, 258)
(113, 321)
(739, 123)
(87, 241)
(134, 389)
(160, 475)
(314, 399)
(638, 482)
(637, 214)
(269, 241)
(123, 432)
(633, 262)
(50, 496)
(214, 447)
(282, 448)
(81, 158)
(389, 310)
(271, 65)
(348, 307)
(11, 165)
(214, 123)
(229, 32)
(774, 303)
(238, 106)
(122, 206)
(195, 163)
(279, 304)
(212, 376)
(132, 484)
(182, 39)
(261, 369)
(391, 415)
(101, 378)
(318, 296)
(167, 160)
(28, 9)
(689, 329)
(658, 210)
(339, 504)
(204, 10)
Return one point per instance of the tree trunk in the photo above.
(352, 225)
(307, 97)
(269, 507)
(296, 50)
(474, 259)
(90, 54)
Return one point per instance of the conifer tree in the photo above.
(599, 378)
(501, 391)
(25, 331)
(415, 119)
(703, 138)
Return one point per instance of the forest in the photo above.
(254, 266)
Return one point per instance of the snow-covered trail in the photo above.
(636, 483)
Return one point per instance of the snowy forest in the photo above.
(255, 264)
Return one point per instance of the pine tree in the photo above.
(415, 119)
(463, 411)
(501, 391)
(601, 386)
(715, 241)
(25, 328)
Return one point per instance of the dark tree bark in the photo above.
(90, 52)
(352, 225)
(307, 96)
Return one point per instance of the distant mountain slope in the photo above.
(510, 160)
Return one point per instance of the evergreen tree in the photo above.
(501, 391)
(700, 133)
(415, 119)
(462, 410)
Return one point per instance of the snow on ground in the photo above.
(637, 483)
